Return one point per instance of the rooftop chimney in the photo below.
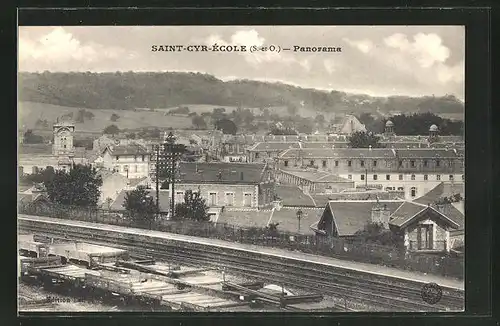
(381, 214)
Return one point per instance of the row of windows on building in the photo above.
(413, 190)
(131, 169)
(143, 157)
(229, 199)
(388, 163)
(451, 177)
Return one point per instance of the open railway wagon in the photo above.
(28, 247)
(87, 254)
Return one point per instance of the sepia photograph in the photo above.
(241, 168)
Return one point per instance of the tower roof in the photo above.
(389, 123)
(433, 128)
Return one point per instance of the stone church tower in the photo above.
(63, 138)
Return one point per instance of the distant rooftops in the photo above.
(317, 176)
(370, 153)
(222, 173)
(132, 149)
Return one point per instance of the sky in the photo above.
(374, 60)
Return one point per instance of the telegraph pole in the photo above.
(172, 182)
(173, 151)
(157, 177)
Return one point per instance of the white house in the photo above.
(131, 161)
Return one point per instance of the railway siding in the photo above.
(405, 290)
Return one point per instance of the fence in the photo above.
(437, 263)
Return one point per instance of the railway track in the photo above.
(359, 291)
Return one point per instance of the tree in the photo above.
(362, 139)
(80, 186)
(43, 176)
(87, 143)
(31, 138)
(376, 233)
(111, 130)
(272, 230)
(84, 114)
(371, 123)
(199, 122)
(114, 117)
(140, 205)
(194, 207)
(320, 120)
(227, 126)
(282, 131)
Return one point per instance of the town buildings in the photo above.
(414, 171)
(60, 155)
(314, 181)
(419, 227)
(131, 161)
(227, 184)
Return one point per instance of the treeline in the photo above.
(131, 90)
(414, 124)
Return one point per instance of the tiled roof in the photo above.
(320, 200)
(272, 146)
(410, 210)
(405, 213)
(128, 150)
(352, 216)
(425, 153)
(318, 176)
(164, 200)
(293, 196)
(338, 152)
(452, 213)
(230, 172)
(430, 197)
(245, 218)
(288, 222)
(323, 145)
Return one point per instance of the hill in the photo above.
(29, 113)
(130, 90)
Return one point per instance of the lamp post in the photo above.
(299, 217)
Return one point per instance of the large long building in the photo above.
(414, 171)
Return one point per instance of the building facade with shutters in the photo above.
(131, 161)
(414, 171)
(226, 184)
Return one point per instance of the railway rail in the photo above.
(353, 289)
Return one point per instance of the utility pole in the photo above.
(157, 180)
(173, 151)
(172, 182)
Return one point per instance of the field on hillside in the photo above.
(282, 111)
(30, 112)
